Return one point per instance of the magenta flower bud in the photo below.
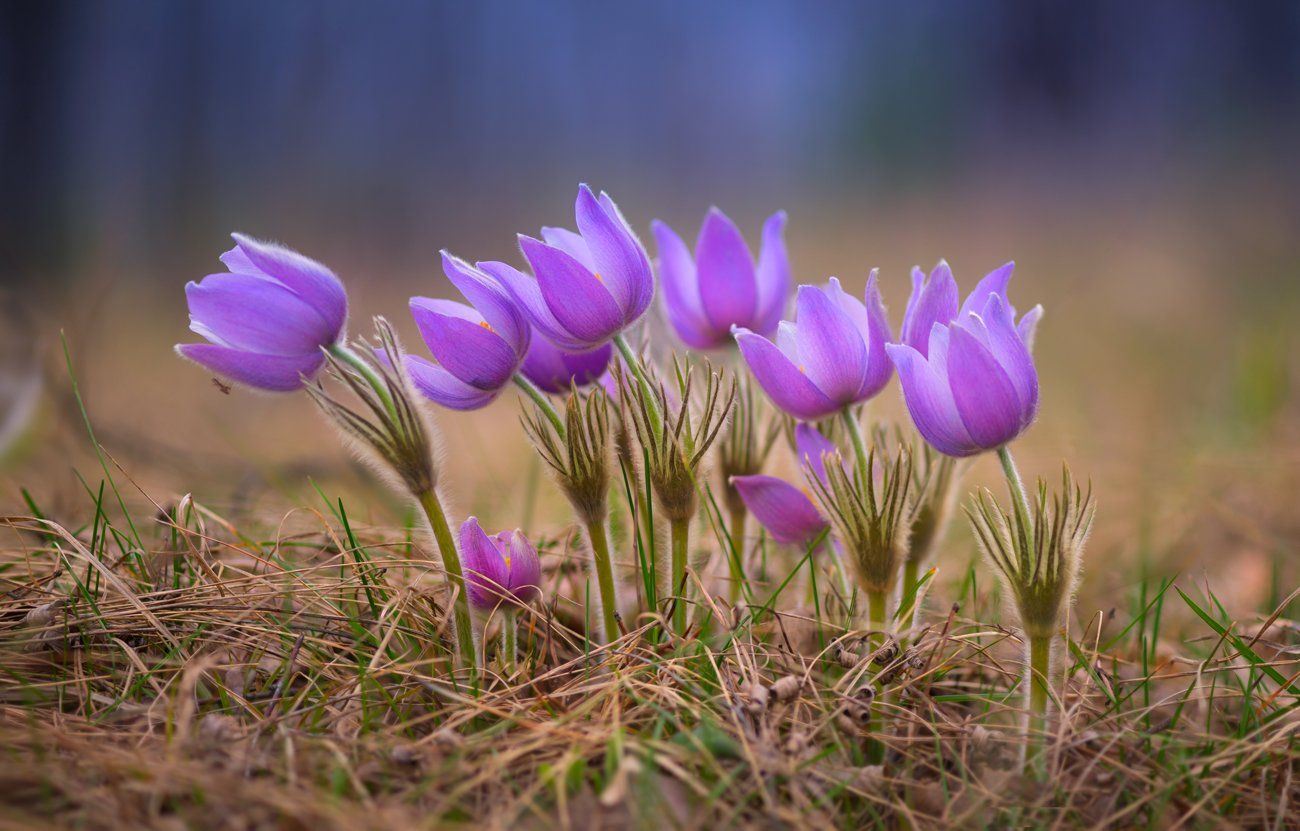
(785, 511)
(552, 369)
(589, 286)
(721, 287)
(268, 318)
(477, 347)
(831, 357)
(967, 374)
(501, 568)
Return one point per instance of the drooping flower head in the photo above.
(267, 318)
(477, 348)
(553, 370)
(721, 287)
(499, 569)
(587, 286)
(967, 374)
(830, 357)
(787, 512)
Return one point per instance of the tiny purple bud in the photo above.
(500, 568)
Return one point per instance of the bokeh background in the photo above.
(1138, 161)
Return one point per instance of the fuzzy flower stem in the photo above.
(451, 564)
(1016, 484)
(345, 354)
(1037, 674)
(647, 389)
(509, 639)
(911, 569)
(605, 577)
(542, 402)
(681, 529)
(737, 559)
(855, 433)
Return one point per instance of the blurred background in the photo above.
(1138, 161)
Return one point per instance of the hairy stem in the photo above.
(681, 529)
(509, 639)
(737, 559)
(1016, 485)
(451, 564)
(643, 379)
(542, 402)
(855, 433)
(1037, 672)
(911, 569)
(605, 579)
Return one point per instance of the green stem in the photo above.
(737, 559)
(451, 564)
(543, 403)
(878, 614)
(605, 579)
(1038, 673)
(509, 639)
(1016, 485)
(855, 433)
(681, 529)
(911, 569)
(344, 353)
(643, 379)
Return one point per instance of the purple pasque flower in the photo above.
(721, 287)
(477, 348)
(266, 319)
(500, 568)
(968, 377)
(785, 510)
(831, 356)
(588, 286)
(552, 369)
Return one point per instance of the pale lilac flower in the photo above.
(268, 318)
(587, 286)
(477, 347)
(722, 287)
(967, 374)
(500, 568)
(831, 357)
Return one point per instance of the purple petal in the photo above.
(313, 282)
(552, 369)
(785, 385)
(935, 302)
(871, 323)
(995, 282)
(643, 282)
(681, 296)
(576, 297)
(616, 255)
(257, 314)
(491, 300)
(444, 389)
(527, 295)
(784, 510)
(1012, 355)
(525, 568)
(571, 244)
(772, 275)
(276, 373)
(831, 349)
(468, 349)
(984, 394)
(1028, 326)
(811, 447)
(930, 402)
(486, 575)
(725, 269)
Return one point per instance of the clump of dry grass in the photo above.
(198, 671)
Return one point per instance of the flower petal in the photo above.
(552, 369)
(643, 283)
(831, 348)
(930, 402)
(985, 396)
(576, 297)
(811, 448)
(314, 283)
(1012, 355)
(441, 387)
(491, 300)
(468, 349)
(785, 385)
(277, 373)
(1028, 326)
(487, 579)
(784, 510)
(935, 302)
(995, 282)
(616, 254)
(681, 295)
(525, 568)
(257, 314)
(527, 295)
(772, 275)
(725, 269)
(872, 325)
(570, 243)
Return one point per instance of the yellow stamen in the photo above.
(804, 371)
(487, 326)
(598, 277)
